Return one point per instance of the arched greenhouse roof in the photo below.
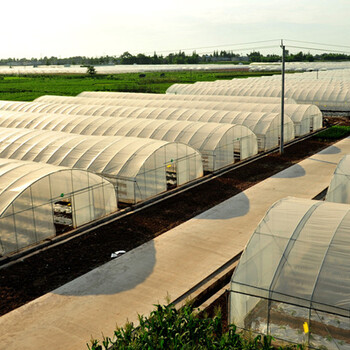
(210, 138)
(113, 156)
(258, 122)
(297, 255)
(301, 115)
(325, 96)
(16, 176)
(31, 199)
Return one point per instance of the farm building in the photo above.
(339, 188)
(219, 144)
(291, 281)
(266, 126)
(39, 200)
(306, 118)
(140, 168)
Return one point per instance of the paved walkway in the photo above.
(67, 317)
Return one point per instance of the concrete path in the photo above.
(171, 264)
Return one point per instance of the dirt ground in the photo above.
(41, 273)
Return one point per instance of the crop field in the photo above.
(29, 87)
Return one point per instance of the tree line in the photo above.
(175, 58)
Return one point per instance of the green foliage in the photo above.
(173, 58)
(334, 133)
(29, 87)
(169, 328)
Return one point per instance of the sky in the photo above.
(65, 28)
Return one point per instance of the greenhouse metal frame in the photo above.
(291, 281)
(40, 200)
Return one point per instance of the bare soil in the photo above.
(53, 267)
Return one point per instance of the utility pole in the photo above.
(282, 99)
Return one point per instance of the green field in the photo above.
(29, 87)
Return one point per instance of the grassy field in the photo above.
(27, 88)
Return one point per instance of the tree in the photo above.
(91, 70)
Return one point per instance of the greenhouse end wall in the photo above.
(56, 203)
(292, 272)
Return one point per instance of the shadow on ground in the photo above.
(118, 275)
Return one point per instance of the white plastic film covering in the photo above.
(293, 271)
(117, 96)
(304, 117)
(326, 96)
(266, 126)
(219, 144)
(29, 191)
(123, 160)
(339, 187)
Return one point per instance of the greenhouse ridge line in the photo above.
(6, 261)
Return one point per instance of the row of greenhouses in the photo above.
(53, 182)
(138, 145)
(328, 94)
(291, 281)
(219, 144)
(266, 126)
(304, 117)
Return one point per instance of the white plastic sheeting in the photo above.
(339, 188)
(219, 144)
(326, 96)
(266, 126)
(141, 168)
(143, 96)
(295, 269)
(30, 194)
(306, 118)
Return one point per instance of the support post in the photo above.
(282, 98)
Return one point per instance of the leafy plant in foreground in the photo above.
(169, 328)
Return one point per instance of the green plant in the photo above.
(169, 328)
(334, 132)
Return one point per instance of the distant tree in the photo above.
(255, 56)
(90, 70)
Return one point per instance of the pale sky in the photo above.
(38, 28)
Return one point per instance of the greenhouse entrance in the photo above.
(62, 215)
(171, 176)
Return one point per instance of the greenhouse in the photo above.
(306, 118)
(339, 188)
(139, 168)
(144, 96)
(266, 126)
(292, 279)
(219, 144)
(39, 201)
(327, 97)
